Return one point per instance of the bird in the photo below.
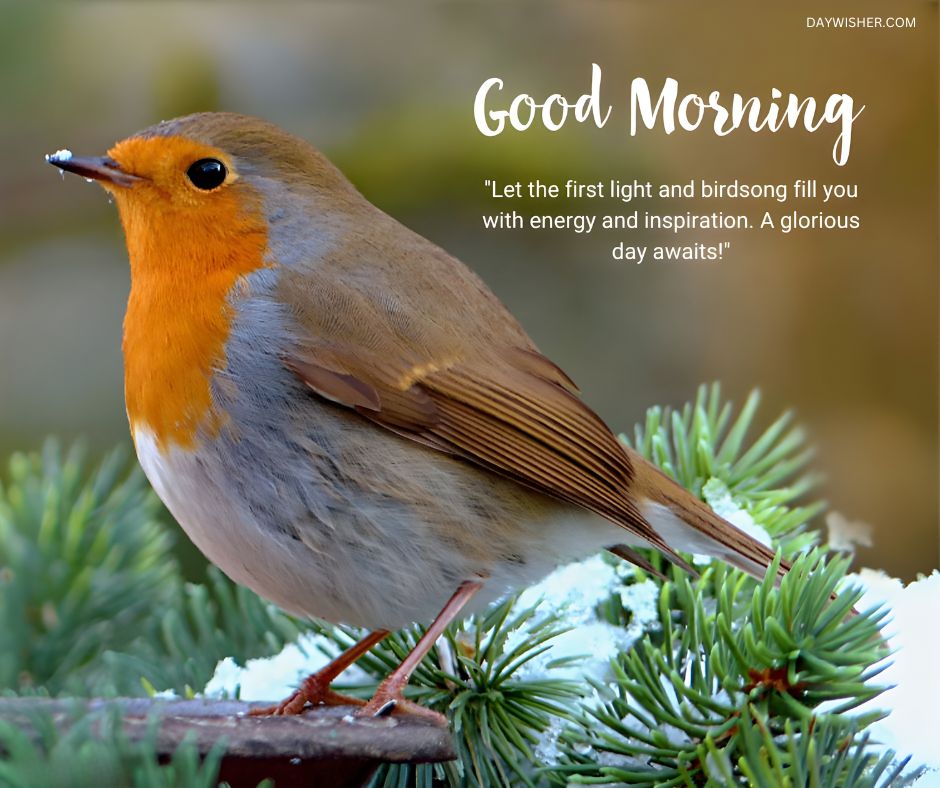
(342, 416)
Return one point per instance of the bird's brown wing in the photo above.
(510, 410)
(392, 326)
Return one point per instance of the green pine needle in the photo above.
(766, 655)
(84, 565)
(496, 715)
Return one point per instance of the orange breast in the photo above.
(184, 266)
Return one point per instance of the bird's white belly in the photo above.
(381, 570)
(217, 524)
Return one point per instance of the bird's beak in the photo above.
(99, 168)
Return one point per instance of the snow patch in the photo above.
(913, 700)
(573, 593)
(274, 678)
(59, 156)
(845, 534)
(719, 498)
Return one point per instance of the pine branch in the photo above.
(85, 564)
(769, 656)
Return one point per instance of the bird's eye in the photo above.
(207, 174)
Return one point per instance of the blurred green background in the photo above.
(842, 327)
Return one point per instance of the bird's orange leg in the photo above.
(388, 697)
(315, 689)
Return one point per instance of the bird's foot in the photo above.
(389, 699)
(314, 690)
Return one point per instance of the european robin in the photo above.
(341, 415)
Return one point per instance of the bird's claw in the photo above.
(384, 704)
(313, 691)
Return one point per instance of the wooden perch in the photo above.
(324, 746)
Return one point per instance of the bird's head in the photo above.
(208, 188)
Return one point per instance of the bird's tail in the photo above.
(687, 524)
